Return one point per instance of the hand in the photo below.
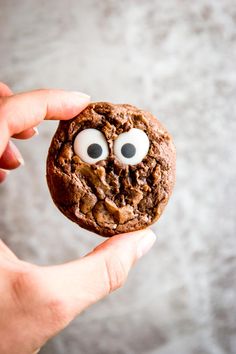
(21, 113)
(37, 302)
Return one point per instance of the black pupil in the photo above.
(94, 151)
(128, 150)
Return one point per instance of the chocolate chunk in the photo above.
(103, 217)
(125, 214)
(135, 195)
(87, 202)
(111, 206)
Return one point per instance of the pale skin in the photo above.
(38, 302)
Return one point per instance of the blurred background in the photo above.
(177, 59)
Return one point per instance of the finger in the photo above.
(27, 134)
(3, 175)
(83, 282)
(5, 90)
(26, 110)
(11, 157)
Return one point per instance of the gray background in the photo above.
(176, 59)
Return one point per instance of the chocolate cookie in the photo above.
(111, 169)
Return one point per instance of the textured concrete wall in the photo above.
(176, 58)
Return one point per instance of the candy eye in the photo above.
(131, 147)
(91, 146)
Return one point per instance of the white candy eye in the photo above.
(91, 146)
(131, 147)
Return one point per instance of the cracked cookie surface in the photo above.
(110, 197)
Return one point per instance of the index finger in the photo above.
(26, 110)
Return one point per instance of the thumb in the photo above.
(84, 282)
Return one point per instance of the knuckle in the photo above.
(2, 100)
(24, 283)
(31, 296)
(116, 273)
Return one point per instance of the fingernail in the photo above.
(3, 174)
(5, 171)
(146, 243)
(36, 351)
(36, 132)
(79, 97)
(17, 153)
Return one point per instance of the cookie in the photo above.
(111, 169)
